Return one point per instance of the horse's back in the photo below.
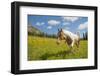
(70, 34)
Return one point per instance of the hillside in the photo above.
(33, 31)
(36, 32)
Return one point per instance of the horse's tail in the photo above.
(78, 34)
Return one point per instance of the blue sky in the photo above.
(50, 24)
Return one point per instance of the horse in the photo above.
(69, 38)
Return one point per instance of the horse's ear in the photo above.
(61, 29)
(58, 30)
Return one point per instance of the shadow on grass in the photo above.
(61, 54)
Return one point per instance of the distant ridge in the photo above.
(33, 31)
(36, 32)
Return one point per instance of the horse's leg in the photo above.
(71, 46)
(77, 45)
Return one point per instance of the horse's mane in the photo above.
(68, 33)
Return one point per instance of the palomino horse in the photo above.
(69, 37)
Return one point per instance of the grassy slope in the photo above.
(40, 48)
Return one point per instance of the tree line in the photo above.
(43, 35)
(85, 36)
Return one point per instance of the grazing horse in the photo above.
(69, 37)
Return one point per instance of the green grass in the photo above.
(41, 48)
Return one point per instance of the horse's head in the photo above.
(60, 36)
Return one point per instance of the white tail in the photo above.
(78, 34)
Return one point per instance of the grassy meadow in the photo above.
(43, 48)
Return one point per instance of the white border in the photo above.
(26, 65)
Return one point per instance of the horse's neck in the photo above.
(67, 32)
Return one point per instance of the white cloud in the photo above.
(66, 23)
(72, 19)
(49, 27)
(53, 22)
(83, 26)
(40, 23)
(66, 28)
